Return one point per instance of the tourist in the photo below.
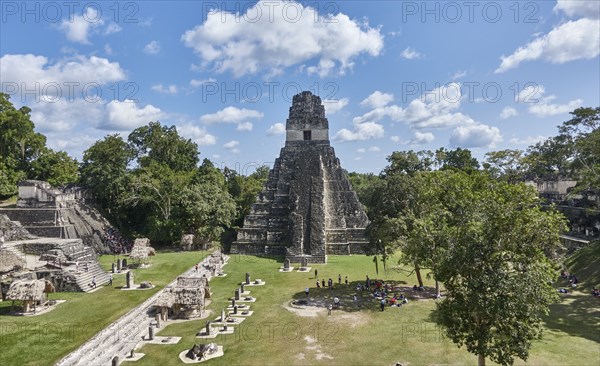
(382, 304)
(110, 280)
(339, 279)
(196, 267)
(306, 291)
(316, 272)
(323, 283)
(355, 299)
(336, 302)
(318, 283)
(93, 285)
(329, 307)
(346, 280)
(77, 266)
(330, 283)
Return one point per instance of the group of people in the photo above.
(116, 242)
(330, 281)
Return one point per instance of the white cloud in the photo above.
(377, 99)
(199, 82)
(583, 8)
(171, 89)
(244, 126)
(410, 54)
(435, 109)
(573, 40)
(127, 115)
(531, 93)
(197, 134)
(475, 135)
(527, 140)
(459, 74)
(246, 43)
(112, 28)
(508, 112)
(545, 108)
(108, 50)
(362, 150)
(232, 115)
(276, 129)
(334, 106)
(360, 132)
(541, 105)
(70, 75)
(64, 115)
(421, 138)
(232, 146)
(77, 28)
(152, 48)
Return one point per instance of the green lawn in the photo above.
(274, 335)
(44, 339)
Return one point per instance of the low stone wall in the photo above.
(63, 281)
(47, 231)
(31, 217)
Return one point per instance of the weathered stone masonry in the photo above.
(307, 207)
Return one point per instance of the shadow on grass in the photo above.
(321, 297)
(577, 314)
(5, 307)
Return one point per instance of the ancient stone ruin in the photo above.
(307, 207)
(45, 211)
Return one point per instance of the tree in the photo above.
(583, 133)
(207, 210)
(104, 170)
(459, 159)
(55, 167)
(157, 143)
(19, 145)
(409, 162)
(506, 164)
(156, 190)
(497, 277)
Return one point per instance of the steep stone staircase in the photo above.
(84, 277)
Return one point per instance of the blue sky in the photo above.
(394, 75)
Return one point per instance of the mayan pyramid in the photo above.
(307, 207)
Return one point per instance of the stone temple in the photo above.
(307, 208)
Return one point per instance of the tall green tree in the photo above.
(20, 145)
(459, 159)
(497, 277)
(55, 167)
(157, 143)
(508, 165)
(104, 170)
